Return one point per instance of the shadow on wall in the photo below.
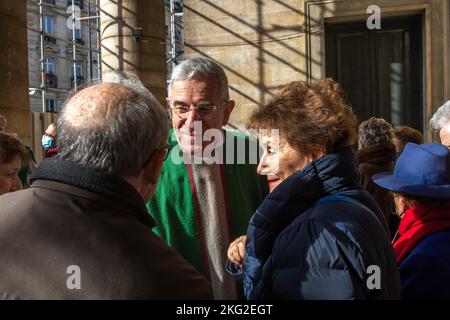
(279, 34)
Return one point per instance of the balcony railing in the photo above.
(79, 41)
(80, 81)
(49, 40)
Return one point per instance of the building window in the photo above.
(77, 33)
(48, 24)
(78, 36)
(78, 67)
(78, 3)
(50, 77)
(79, 73)
(50, 65)
(49, 1)
(49, 30)
(50, 105)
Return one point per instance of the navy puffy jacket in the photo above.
(297, 249)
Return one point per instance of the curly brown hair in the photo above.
(310, 116)
(374, 131)
(10, 147)
(405, 134)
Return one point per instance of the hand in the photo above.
(236, 250)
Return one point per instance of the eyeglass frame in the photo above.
(195, 107)
(163, 146)
(167, 147)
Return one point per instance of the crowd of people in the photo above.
(147, 202)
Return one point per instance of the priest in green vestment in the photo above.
(209, 187)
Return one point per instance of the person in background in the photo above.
(318, 231)
(440, 122)
(28, 165)
(376, 153)
(49, 140)
(421, 186)
(403, 135)
(82, 231)
(2, 123)
(12, 156)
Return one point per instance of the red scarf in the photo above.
(417, 223)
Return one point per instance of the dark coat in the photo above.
(299, 250)
(372, 160)
(425, 272)
(78, 216)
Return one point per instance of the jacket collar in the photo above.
(96, 181)
(418, 222)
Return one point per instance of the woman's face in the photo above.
(280, 160)
(9, 180)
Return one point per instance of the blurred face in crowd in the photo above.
(9, 180)
(444, 134)
(2, 125)
(400, 204)
(211, 111)
(280, 160)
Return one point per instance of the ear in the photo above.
(228, 108)
(319, 153)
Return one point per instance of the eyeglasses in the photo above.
(167, 147)
(204, 110)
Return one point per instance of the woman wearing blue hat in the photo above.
(421, 187)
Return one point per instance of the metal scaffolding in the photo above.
(76, 17)
(175, 51)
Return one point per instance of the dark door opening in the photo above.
(380, 70)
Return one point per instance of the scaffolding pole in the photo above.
(42, 61)
(74, 47)
(173, 42)
(173, 26)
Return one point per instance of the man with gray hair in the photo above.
(440, 122)
(209, 187)
(82, 230)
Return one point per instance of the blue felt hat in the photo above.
(421, 170)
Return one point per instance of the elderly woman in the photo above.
(376, 153)
(421, 186)
(12, 155)
(318, 234)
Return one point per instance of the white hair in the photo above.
(200, 68)
(441, 116)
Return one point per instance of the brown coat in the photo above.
(74, 216)
(375, 159)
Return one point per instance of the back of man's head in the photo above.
(112, 126)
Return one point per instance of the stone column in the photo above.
(14, 100)
(143, 57)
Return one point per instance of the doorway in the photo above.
(380, 70)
